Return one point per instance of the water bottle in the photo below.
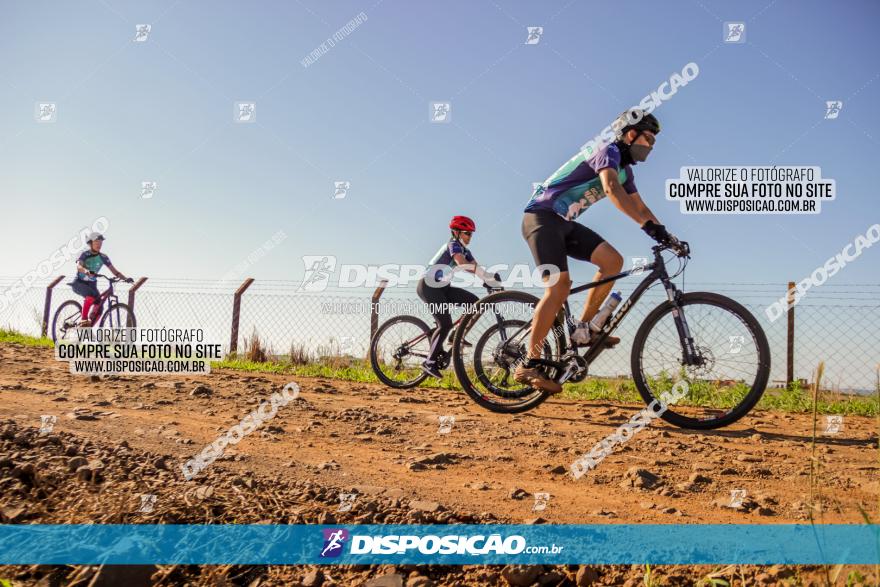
(607, 309)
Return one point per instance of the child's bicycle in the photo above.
(400, 346)
(709, 341)
(68, 315)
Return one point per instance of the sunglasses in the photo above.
(466, 232)
(650, 137)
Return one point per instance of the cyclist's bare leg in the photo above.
(546, 310)
(610, 263)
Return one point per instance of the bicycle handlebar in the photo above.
(680, 248)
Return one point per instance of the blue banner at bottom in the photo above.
(439, 544)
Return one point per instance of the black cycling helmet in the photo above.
(643, 121)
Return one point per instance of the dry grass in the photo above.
(255, 349)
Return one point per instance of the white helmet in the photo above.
(95, 236)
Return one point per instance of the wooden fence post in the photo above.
(132, 290)
(236, 312)
(789, 353)
(47, 306)
(374, 308)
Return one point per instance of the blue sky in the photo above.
(163, 110)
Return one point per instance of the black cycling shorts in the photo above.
(552, 239)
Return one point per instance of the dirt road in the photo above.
(386, 444)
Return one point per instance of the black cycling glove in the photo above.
(657, 232)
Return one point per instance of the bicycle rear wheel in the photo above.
(398, 349)
(734, 361)
(500, 325)
(65, 320)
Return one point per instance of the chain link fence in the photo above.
(837, 324)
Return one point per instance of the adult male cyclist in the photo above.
(435, 289)
(87, 266)
(552, 234)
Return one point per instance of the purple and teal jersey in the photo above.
(443, 261)
(93, 262)
(576, 185)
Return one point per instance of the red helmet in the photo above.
(462, 223)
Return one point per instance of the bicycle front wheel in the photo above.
(65, 320)
(732, 367)
(500, 326)
(118, 316)
(398, 349)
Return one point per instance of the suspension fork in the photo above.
(689, 354)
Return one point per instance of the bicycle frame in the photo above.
(109, 297)
(657, 273)
(408, 344)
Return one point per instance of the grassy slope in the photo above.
(794, 399)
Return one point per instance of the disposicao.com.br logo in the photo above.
(450, 544)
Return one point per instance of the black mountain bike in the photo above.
(400, 346)
(67, 316)
(709, 341)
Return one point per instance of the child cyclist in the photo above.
(435, 289)
(87, 266)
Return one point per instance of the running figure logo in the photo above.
(534, 36)
(833, 424)
(638, 265)
(318, 270)
(141, 32)
(341, 189)
(333, 541)
(832, 109)
(46, 112)
(736, 344)
(245, 112)
(148, 189)
(47, 423)
(440, 112)
(734, 32)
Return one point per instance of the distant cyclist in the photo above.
(88, 265)
(435, 290)
(552, 234)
